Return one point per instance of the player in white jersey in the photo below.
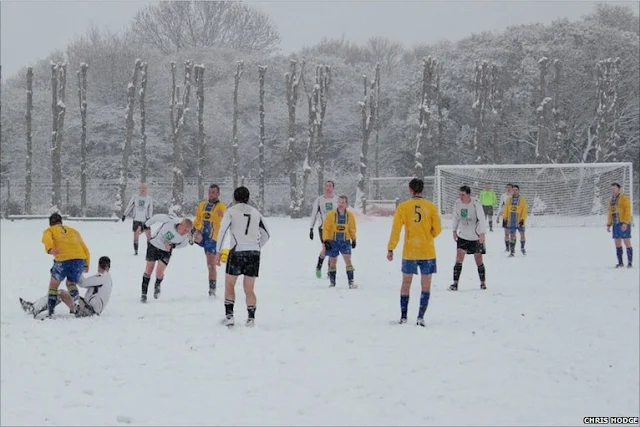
(141, 208)
(248, 234)
(323, 204)
(173, 233)
(94, 300)
(469, 228)
(503, 201)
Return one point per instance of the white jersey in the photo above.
(503, 202)
(98, 290)
(141, 206)
(469, 220)
(321, 206)
(167, 234)
(246, 227)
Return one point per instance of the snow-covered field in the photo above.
(553, 339)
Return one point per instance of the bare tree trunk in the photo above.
(143, 123)
(177, 201)
(607, 137)
(367, 109)
(377, 130)
(292, 80)
(262, 70)
(82, 100)
(559, 138)
(495, 105)
(313, 98)
(234, 137)
(424, 133)
(58, 81)
(199, 81)
(543, 113)
(126, 147)
(482, 88)
(28, 175)
(324, 81)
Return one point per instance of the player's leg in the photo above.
(427, 269)
(321, 257)
(457, 268)
(409, 269)
(627, 244)
(522, 240)
(507, 237)
(210, 253)
(148, 269)
(67, 299)
(137, 230)
(349, 268)
(488, 213)
(74, 269)
(512, 241)
(147, 232)
(481, 270)
(38, 306)
(161, 266)
(58, 273)
(251, 271)
(333, 262)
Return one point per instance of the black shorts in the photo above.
(471, 246)
(504, 223)
(140, 224)
(245, 263)
(85, 310)
(488, 210)
(155, 254)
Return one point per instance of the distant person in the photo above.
(339, 236)
(141, 205)
(489, 201)
(515, 215)
(323, 204)
(619, 218)
(500, 217)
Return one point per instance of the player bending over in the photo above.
(499, 216)
(489, 201)
(142, 207)
(339, 236)
(469, 228)
(248, 234)
(421, 223)
(515, 214)
(98, 292)
(71, 258)
(207, 223)
(619, 218)
(173, 233)
(322, 205)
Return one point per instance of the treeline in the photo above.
(564, 92)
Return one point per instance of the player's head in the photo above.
(465, 193)
(416, 186)
(143, 189)
(515, 189)
(214, 192)
(329, 186)
(509, 188)
(55, 219)
(343, 202)
(615, 188)
(241, 195)
(487, 186)
(185, 226)
(104, 263)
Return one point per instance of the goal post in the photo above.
(558, 194)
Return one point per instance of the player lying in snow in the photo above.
(94, 300)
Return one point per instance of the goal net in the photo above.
(557, 194)
(384, 193)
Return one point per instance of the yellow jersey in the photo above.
(619, 210)
(515, 214)
(209, 217)
(68, 240)
(422, 225)
(330, 227)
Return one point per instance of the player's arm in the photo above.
(329, 227)
(609, 216)
(150, 208)
(224, 228)
(525, 209)
(315, 211)
(481, 226)
(264, 232)
(158, 218)
(436, 225)
(494, 199)
(455, 218)
(47, 240)
(129, 208)
(625, 209)
(506, 209)
(85, 249)
(198, 221)
(352, 225)
(398, 222)
(94, 281)
(183, 242)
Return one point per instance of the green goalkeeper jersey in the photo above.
(488, 198)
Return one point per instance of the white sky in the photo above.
(29, 30)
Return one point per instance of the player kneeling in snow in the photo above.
(173, 233)
(94, 300)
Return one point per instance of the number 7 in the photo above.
(246, 231)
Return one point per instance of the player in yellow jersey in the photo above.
(209, 215)
(70, 259)
(339, 237)
(515, 215)
(421, 222)
(619, 218)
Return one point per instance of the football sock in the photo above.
(145, 283)
(52, 300)
(619, 254)
(424, 302)
(457, 270)
(350, 273)
(228, 307)
(629, 254)
(481, 273)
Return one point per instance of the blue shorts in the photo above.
(427, 266)
(339, 247)
(208, 244)
(70, 270)
(514, 228)
(617, 232)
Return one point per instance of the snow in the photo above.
(554, 338)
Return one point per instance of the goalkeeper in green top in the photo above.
(488, 200)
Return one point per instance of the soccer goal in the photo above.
(386, 192)
(570, 194)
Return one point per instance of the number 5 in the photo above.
(418, 215)
(246, 230)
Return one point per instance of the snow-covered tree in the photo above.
(262, 70)
(81, 75)
(182, 107)
(29, 162)
(607, 137)
(292, 85)
(368, 116)
(429, 66)
(58, 106)
(200, 141)
(323, 81)
(234, 135)
(126, 146)
(544, 113)
(143, 122)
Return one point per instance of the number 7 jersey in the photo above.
(246, 226)
(422, 225)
